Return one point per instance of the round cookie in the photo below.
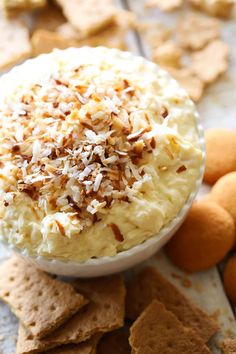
(220, 154)
(204, 239)
(224, 193)
(230, 278)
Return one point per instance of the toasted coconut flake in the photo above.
(76, 146)
(97, 182)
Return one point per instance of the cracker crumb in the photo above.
(195, 31)
(212, 61)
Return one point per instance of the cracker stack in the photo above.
(62, 25)
(53, 313)
(158, 330)
(87, 316)
(194, 53)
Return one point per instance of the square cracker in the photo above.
(87, 347)
(158, 330)
(88, 16)
(149, 285)
(117, 341)
(228, 346)
(14, 42)
(104, 313)
(32, 295)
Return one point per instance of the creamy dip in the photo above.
(99, 151)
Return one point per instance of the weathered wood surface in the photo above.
(216, 109)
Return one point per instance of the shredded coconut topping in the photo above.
(76, 146)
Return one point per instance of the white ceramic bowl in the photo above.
(125, 259)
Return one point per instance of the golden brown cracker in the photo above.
(220, 153)
(32, 295)
(158, 330)
(220, 8)
(194, 31)
(204, 239)
(224, 193)
(114, 37)
(168, 54)
(166, 5)
(189, 81)
(116, 341)
(44, 41)
(48, 18)
(125, 19)
(228, 346)
(104, 313)
(149, 285)
(88, 16)
(18, 5)
(14, 42)
(87, 347)
(154, 33)
(211, 62)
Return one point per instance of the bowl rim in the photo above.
(139, 248)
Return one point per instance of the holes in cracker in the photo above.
(6, 294)
(152, 329)
(56, 293)
(19, 307)
(107, 306)
(53, 307)
(40, 293)
(30, 337)
(94, 318)
(169, 344)
(151, 345)
(11, 279)
(35, 308)
(32, 324)
(27, 278)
